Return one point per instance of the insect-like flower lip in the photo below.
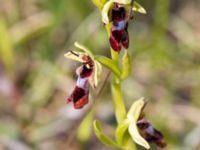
(80, 95)
(150, 133)
(119, 36)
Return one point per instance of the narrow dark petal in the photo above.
(150, 134)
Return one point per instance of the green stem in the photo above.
(114, 55)
(120, 110)
(117, 97)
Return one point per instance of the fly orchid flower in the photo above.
(141, 130)
(87, 74)
(117, 13)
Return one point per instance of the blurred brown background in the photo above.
(35, 78)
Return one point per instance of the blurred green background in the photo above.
(36, 79)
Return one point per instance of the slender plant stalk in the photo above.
(120, 110)
(117, 97)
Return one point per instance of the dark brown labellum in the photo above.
(150, 134)
(79, 97)
(119, 36)
(119, 30)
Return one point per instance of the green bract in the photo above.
(110, 64)
(126, 66)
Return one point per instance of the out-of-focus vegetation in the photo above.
(35, 78)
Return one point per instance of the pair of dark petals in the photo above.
(80, 94)
(150, 134)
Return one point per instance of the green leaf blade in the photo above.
(84, 130)
(101, 136)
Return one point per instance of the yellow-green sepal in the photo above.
(85, 49)
(133, 115)
(99, 3)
